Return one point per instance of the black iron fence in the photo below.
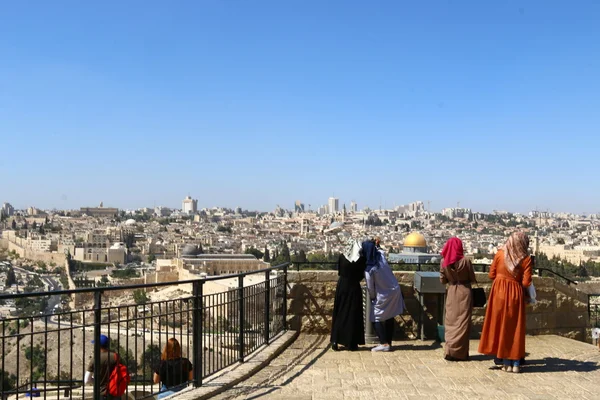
(426, 267)
(594, 310)
(396, 266)
(218, 321)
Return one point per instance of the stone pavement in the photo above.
(557, 368)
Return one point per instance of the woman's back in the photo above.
(522, 274)
(175, 371)
(503, 333)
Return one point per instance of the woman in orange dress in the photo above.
(503, 332)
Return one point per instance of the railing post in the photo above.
(241, 307)
(267, 305)
(197, 322)
(285, 281)
(97, 321)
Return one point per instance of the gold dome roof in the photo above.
(415, 239)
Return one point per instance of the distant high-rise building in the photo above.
(353, 207)
(189, 205)
(334, 205)
(238, 210)
(7, 210)
(32, 211)
(298, 207)
(322, 210)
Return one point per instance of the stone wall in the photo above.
(560, 309)
(23, 252)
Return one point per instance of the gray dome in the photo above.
(190, 250)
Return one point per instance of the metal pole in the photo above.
(370, 336)
(421, 324)
(97, 321)
(241, 306)
(267, 304)
(285, 281)
(197, 322)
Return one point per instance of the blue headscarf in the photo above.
(371, 253)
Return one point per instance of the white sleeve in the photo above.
(88, 377)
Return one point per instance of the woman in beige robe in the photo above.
(458, 273)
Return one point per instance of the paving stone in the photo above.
(557, 368)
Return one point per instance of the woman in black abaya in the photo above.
(348, 328)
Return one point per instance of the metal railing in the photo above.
(218, 321)
(396, 266)
(594, 310)
(541, 271)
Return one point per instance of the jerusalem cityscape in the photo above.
(284, 200)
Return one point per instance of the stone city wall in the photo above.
(560, 309)
(23, 252)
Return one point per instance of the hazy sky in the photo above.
(258, 103)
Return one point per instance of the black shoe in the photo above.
(334, 347)
(354, 348)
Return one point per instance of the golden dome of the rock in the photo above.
(415, 239)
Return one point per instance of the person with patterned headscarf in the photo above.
(458, 273)
(503, 333)
(348, 327)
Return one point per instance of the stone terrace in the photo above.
(557, 368)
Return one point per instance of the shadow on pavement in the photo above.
(553, 364)
(307, 358)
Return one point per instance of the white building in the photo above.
(334, 205)
(162, 211)
(189, 205)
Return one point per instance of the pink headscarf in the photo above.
(452, 252)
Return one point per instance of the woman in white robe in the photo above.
(384, 292)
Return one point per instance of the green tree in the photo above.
(140, 296)
(150, 360)
(14, 225)
(285, 253)
(267, 256)
(150, 258)
(255, 252)
(34, 225)
(582, 272)
(128, 239)
(7, 381)
(301, 256)
(37, 357)
(127, 357)
(11, 278)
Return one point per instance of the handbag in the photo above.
(530, 294)
(479, 298)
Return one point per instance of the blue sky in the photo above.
(258, 103)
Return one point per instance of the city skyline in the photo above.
(294, 207)
(266, 102)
